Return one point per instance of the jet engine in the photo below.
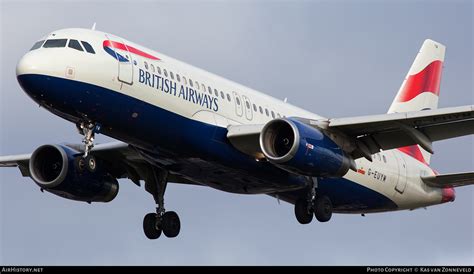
(59, 169)
(299, 148)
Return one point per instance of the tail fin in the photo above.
(420, 89)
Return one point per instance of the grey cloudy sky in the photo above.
(335, 58)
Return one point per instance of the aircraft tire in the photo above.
(323, 209)
(301, 212)
(171, 224)
(149, 226)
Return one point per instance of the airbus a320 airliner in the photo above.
(177, 123)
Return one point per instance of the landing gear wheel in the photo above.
(91, 163)
(171, 224)
(323, 209)
(80, 164)
(150, 227)
(303, 213)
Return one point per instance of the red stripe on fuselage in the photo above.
(427, 80)
(117, 45)
(415, 152)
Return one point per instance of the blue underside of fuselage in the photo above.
(194, 150)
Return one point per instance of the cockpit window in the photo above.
(88, 47)
(75, 45)
(37, 45)
(55, 43)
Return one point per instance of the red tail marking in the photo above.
(415, 152)
(427, 80)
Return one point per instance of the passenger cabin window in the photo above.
(152, 68)
(273, 114)
(55, 43)
(261, 110)
(203, 87)
(184, 80)
(266, 112)
(37, 45)
(190, 82)
(197, 84)
(254, 108)
(384, 159)
(217, 93)
(247, 104)
(178, 78)
(237, 100)
(74, 44)
(165, 72)
(228, 97)
(158, 69)
(222, 95)
(146, 65)
(88, 47)
(209, 89)
(171, 75)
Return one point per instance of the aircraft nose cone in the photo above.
(26, 65)
(448, 195)
(28, 71)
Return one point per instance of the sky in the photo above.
(334, 58)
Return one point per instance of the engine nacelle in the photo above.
(54, 168)
(302, 149)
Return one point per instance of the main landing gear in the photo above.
(320, 206)
(162, 221)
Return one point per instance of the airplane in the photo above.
(177, 123)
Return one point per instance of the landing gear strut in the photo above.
(87, 161)
(320, 206)
(162, 221)
(88, 129)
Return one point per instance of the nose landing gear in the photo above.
(88, 129)
(87, 161)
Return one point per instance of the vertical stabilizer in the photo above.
(420, 89)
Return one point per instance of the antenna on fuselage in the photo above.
(286, 100)
(93, 26)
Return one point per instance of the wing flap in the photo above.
(389, 122)
(394, 130)
(450, 180)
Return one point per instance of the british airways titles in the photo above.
(183, 92)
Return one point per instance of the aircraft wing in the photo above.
(373, 133)
(450, 180)
(14, 160)
(122, 161)
(394, 130)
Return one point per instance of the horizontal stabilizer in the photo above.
(450, 180)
